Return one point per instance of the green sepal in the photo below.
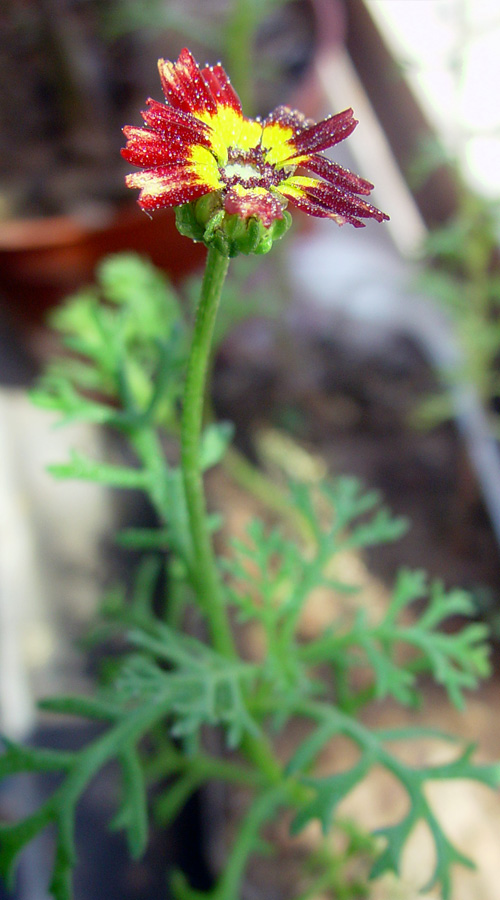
(187, 223)
(205, 220)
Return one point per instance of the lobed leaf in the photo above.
(132, 815)
(328, 793)
(330, 790)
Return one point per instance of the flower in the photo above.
(199, 143)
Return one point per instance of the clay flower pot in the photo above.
(43, 260)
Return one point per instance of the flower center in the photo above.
(242, 171)
(249, 169)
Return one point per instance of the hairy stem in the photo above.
(206, 580)
(205, 571)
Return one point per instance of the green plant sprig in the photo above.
(167, 687)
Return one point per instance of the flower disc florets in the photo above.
(201, 145)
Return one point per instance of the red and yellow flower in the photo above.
(199, 143)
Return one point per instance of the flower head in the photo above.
(199, 143)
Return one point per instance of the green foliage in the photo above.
(205, 688)
(118, 742)
(462, 274)
(329, 791)
(165, 689)
(274, 576)
(327, 867)
(277, 577)
(128, 347)
(456, 660)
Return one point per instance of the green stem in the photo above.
(205, 571)
(205, 575)
(261, 810)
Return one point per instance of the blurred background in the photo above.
(374, 351)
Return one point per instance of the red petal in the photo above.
(147, 148)
(315, 209)
(335, 174)
(167, 120)
(184, 85)
(173, 186)
(325, 134)
(220, 86)
(306, 205)
(343, 202)
(265, 207)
